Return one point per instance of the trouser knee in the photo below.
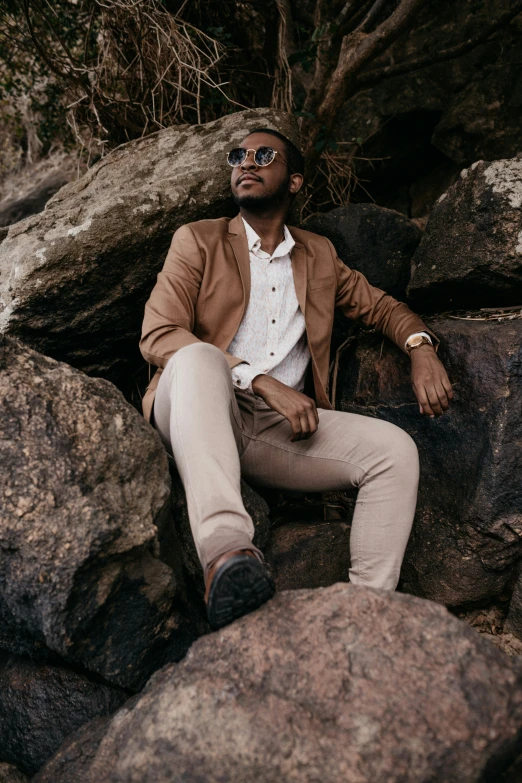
(192, 357)
(403, 453)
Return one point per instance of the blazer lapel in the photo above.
(299, 268)
(238, 240)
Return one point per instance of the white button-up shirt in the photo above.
(271, 336)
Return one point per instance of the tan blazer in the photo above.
(203, 289)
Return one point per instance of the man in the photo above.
(240, 311)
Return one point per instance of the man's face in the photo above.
(261, 187)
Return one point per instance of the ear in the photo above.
(296, 181)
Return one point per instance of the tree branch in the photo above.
(356, 50)
(372, 14)
(376, 75)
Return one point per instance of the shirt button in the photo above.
(273, 320)
(271, 353)
(273, 289)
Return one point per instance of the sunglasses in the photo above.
(263, 156)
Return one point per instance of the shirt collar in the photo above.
(254, 242)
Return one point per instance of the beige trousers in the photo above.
(217, 434)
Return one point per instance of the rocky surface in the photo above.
(419, 128)
(340, 683)
(26, 190)
(466, 542)
(86, 491)
(10, 774)
(514, 618)
(40, 705)
(70, 764)
(377, 242)
(471, 252)
(309, 554)
(74, 279)
(15, 209)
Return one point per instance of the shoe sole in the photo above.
(240, 586)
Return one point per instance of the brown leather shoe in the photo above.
(237, 583)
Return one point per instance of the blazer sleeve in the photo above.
(360, 301)
(169, 318)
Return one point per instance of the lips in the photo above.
(247, 178)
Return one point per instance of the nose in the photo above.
(249, 163)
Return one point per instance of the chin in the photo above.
(255, 203)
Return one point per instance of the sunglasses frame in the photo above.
(261, 165)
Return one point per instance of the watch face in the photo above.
(414, 341)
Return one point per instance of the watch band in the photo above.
(416, 340)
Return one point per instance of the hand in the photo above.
(299, 409)
(430, 381)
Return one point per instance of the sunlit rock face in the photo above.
(471, 253)
(339, 683)
(74, 279)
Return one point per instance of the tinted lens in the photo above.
(236, 156)
(264, 156)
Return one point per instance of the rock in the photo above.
(440, 118)
(513, 623)
(337, 684)
(471, 252)
(10, 774)
(309, 554)
(86, 495)
(15, 209)
(466, 541)
(40, 705)
(71, 762)
(74, 279)
(254, 504)
(26, 190)
(375, 241)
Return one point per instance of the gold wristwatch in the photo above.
(416, 340)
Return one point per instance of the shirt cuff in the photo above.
(418, 334)
(243, 375)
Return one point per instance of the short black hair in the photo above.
(294, 157)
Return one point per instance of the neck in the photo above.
(268, 226)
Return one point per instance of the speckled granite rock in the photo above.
(335, 684)
(85, 489)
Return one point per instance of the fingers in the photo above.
(304, 421)
(432, 386)
(423, 401)
(433, 399)
(448, 387)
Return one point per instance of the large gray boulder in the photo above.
(74, 279)
(335, 684)
(466, 542)
(40, 705)
(377, 242)
(85, 488)
(471, 252)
